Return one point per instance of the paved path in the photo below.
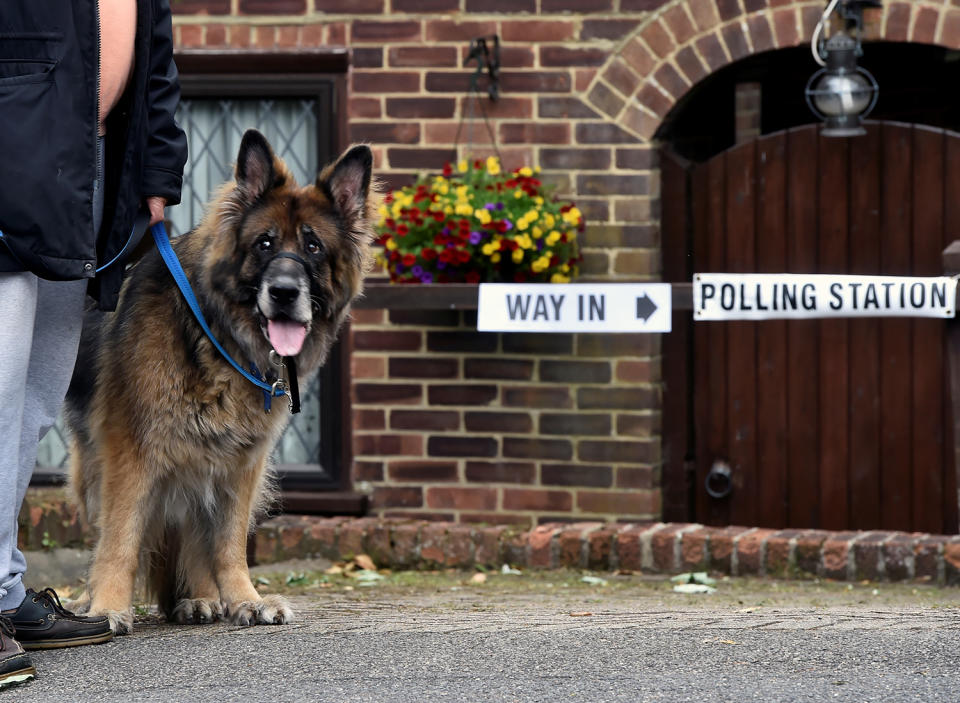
(465, 646)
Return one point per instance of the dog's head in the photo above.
(293, 257)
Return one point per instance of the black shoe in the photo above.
(43, 623)
(15, 664)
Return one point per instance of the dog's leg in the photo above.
(126, 489)
(242, 604)
(202, 602)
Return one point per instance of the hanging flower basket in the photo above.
(474, 223)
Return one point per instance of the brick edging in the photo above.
(649, 547)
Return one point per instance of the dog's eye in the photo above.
(314, 247)
(264, 242)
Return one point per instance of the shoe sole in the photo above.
(15, 677)
(65, 642)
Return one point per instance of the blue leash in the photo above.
(159, 233)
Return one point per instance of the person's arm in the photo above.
(166, 143)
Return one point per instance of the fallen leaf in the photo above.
(693, 588)
(365, 562)
(478, 578)
(594, 580)
(334, 570)
(366, 576)
(507, 569)
(580, 615)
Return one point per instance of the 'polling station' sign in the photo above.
(756, 296)
(574, 307)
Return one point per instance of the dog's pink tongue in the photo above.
(286, 336)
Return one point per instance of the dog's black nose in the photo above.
(283, 295)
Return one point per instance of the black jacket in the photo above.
(49, 87)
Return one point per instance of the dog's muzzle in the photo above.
(284, 301)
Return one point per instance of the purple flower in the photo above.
(475, 237)
(441, 265)
(426, 277)
(417, 271)
(445, 230)
(399, 268)
(499, 206)
(539, 245)
(492, 206)
(508, 223)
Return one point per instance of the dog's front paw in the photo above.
(79, 605)
(121, 621)
(271, 610)
(197, 610)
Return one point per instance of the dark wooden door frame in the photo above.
(322, 75)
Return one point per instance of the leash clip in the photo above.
(286, 380)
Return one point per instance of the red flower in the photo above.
(463, 256)
(477, 164)
(473, 277)
(409, 259)
(438, 216)
(391, 223)
(428, 254)
(446, 256)
(394, 255)
(402, 230)
(447, 170)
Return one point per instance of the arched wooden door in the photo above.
(835, 424)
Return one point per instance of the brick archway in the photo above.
(689, 39)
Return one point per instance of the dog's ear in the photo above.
(255, 172)
(348, 182)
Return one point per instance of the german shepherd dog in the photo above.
(169, 444)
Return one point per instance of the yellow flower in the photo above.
(482, 214)
(538, 200)
(526, 171)
(559, 278)
(517, 256)
(532, 215)
(549, 221)
(462, 166)
(448, 210)
(572, 216)
(518, 194)
(443, 189)
(464, 209)
(462, 192)
(495, 258)
(493, 165)
(537, 232)
(522, 224)
(565, 268)
(489, 249)
(553, 238)
(524, 241)
(391, 245)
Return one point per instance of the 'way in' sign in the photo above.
(576, 307)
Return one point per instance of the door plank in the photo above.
(896, 345)
(928, 169)
(772, 370)
(864, 360)
(834, 339)
(803, 358)
(741, 340)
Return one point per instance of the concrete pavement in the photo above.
(543, 637)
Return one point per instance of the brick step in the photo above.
(656, 547)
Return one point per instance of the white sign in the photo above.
(756, 296)
(574, 307)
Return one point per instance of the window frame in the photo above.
(321, 75)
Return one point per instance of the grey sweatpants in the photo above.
(40, 323)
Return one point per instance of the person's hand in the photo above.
(156, 204)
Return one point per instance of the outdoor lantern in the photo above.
(841, 93)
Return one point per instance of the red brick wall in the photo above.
(456, 425)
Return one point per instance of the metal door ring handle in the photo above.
(719, 483)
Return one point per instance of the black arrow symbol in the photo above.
(645, 307)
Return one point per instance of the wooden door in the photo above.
(836, 424)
